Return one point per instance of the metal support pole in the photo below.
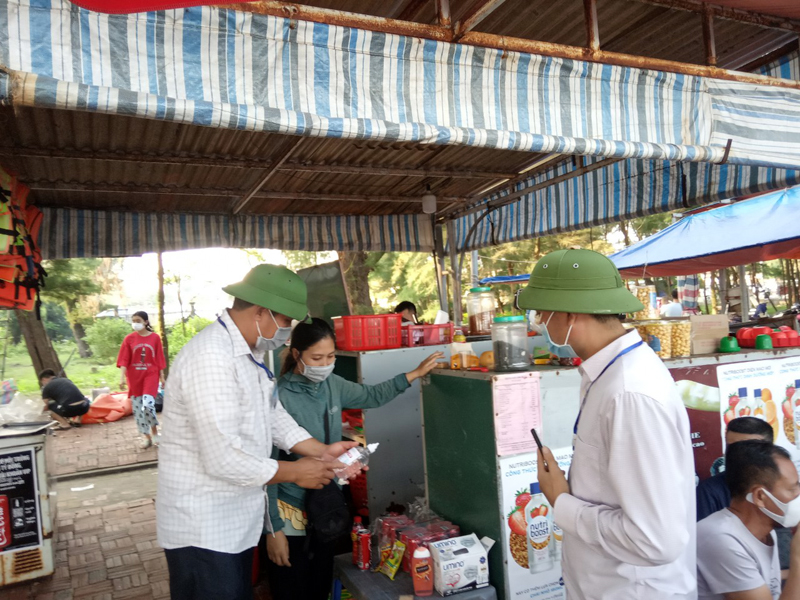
(441, 270)
(456, 273)
(443, 12)
(708, 38)
(592, 27)
(722, 276)
(745, 293)
(474, 257)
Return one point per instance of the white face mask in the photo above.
(137, 326)
(791, 510)
(317, 374)
(280, 338)
(561, 350)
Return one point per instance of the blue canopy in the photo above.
(758, 229)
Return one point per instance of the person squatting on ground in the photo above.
(63, 399)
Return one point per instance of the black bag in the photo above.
(328, 515)
(159, 401)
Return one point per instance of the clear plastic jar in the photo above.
(481, 307)
(510, 344)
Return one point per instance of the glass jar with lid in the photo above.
(481, 307)
(510, 344)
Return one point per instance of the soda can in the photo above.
(5, 523)
(364, 550)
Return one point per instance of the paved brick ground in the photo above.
(96, 447)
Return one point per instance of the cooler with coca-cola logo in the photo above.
(26, 531)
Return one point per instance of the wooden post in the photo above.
(592, 28)
(39, 345)
(455, 265)
(708, 38)
(161, 321)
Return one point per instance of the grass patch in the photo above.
(86, 373)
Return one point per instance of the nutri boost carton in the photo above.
(459, 564)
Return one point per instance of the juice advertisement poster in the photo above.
(532, 571)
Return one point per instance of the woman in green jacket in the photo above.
(302, 569)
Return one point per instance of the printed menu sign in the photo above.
(517, 410)
(19, 505)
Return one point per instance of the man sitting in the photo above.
(64, 400)
(737, 552)
(713, 493)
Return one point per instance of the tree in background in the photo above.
(105, 336)
(179, 336)
(411, 276)
(69, 283)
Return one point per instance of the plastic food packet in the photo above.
(392, 564)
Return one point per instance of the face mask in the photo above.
(791, 510)
(281, 336)
(317, 374)
(138, 326)
(560, 350)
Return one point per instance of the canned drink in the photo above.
(5, 523)
(364, 550)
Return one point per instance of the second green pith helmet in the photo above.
(577, 281)
(273, 287)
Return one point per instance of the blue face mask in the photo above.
(560, 350)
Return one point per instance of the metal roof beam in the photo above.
(728, 13)
(476, 13)
(244, 162)
(238, 205)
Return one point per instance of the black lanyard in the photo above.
(586, 395)
(260, 365)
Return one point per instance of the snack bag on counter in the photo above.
(386, 530)
(392, 563)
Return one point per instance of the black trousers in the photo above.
(200, 574)
(311, 575)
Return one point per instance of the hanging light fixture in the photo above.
(429, 202)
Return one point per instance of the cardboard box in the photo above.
(707, 331)
(459, 564)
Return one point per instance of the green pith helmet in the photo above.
(273, 287)
(577, 281)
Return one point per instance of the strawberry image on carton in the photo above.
(459, 564)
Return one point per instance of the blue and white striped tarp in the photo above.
(786, 67)
(623, 190)
(223, 68)
(68, 233)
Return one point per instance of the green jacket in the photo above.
(306, 402)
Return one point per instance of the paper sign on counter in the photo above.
(517, 410)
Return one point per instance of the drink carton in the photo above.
(459, 564)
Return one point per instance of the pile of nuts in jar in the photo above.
(659, 337)
(681, 338)
(646, 295)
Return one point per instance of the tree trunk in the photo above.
(79, 333)
(39, 346)
(161, 324)
(356, 268)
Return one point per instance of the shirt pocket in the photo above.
(587, 472)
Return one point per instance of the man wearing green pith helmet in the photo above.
(220, 421)
(628, 509)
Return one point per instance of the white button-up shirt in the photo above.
(221, 417)
(629, 520)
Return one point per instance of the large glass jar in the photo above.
(481, 306)
(510, 344)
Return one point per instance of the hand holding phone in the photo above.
(539, 444)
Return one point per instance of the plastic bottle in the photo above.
(759, 407)
(538, 517)
(354, 460)
(422, 572)
(354, 537)
(744, 408)
(558, 538)
(460, 352)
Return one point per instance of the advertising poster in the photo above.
(699, 390)
(517, 410)
(19, 504)
(531, 572)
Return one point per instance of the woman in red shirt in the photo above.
(142, 361)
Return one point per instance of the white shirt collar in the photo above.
(593, 366)
(239, 345)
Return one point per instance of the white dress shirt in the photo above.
(629, 520)
(673, 309)
(221, 417)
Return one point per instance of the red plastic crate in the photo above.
(427, 335)
(358, 491)
(368, 332)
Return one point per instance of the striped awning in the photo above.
(70, 233)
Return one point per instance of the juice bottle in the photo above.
(354, 537)
(759, 407)
(558, 538)
(744, 408)
(422, 572)
(354, 460)
(538, 517)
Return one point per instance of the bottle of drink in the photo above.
(422, 572)
(744, 407)
(558, 538)
(759, 407)
(354, 460)
(354, 537)
(538, 517)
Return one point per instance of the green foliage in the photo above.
(55, 322)
(299, 259)
(399, 276)
(105, 336)
(178, 336)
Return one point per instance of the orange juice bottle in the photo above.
(422, 572)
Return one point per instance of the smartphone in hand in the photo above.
(539, 444)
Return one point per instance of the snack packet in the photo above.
(392, 564)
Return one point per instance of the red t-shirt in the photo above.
(143, 356)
